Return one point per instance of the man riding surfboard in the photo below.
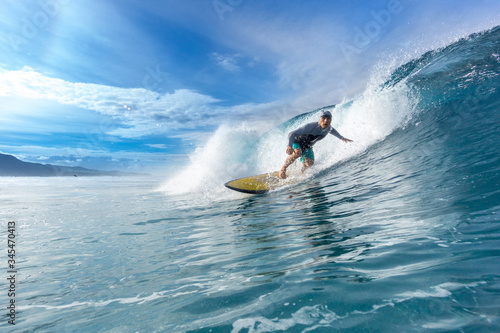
(301, 141)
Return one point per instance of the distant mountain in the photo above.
(13, 167)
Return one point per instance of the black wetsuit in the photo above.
(309, 134)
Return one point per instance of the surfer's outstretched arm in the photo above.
(335, 133)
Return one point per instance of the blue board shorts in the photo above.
(306, 153)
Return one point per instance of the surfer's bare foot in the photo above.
(282, 174)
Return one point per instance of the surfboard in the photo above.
(259, 184)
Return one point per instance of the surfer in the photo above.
(301, 141)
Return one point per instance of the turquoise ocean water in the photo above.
(398, 231)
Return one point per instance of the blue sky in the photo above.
(138, 85)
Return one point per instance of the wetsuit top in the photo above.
(309, 134)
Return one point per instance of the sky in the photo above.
(138, 85)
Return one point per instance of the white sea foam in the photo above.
(221, 159)
(320, 316)
(316, 316)
(440, 291)
(127, 300)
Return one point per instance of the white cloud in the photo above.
(33, 150)
(227, 62)
(140, 112)
(158, 146)
(38, 154)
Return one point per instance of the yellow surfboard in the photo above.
(259, 184)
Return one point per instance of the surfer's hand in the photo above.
(346, 140)
(289, 150)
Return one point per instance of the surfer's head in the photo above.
(325, 119)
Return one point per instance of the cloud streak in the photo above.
(227, 62)
(139, 112)
(91, 158)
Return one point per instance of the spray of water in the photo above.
(238, 151)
